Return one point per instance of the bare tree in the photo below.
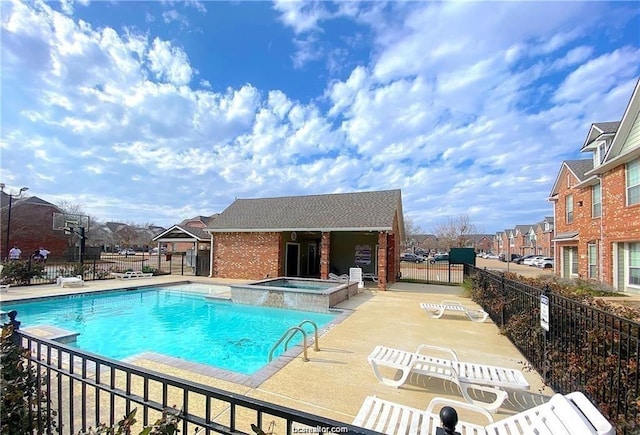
(454, 232)
(411, 230)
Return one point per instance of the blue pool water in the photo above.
(173, 320)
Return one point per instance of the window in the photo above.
(634, 263)
(633, 182)
(568, 181)
(599, 154)
(569, 262)
(596, 200)
(569, 208)
(592, 249)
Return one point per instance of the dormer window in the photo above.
(599, 153)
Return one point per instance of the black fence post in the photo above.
(503, 304)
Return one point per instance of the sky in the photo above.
(153, 112)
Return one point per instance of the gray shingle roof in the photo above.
(607, 127)
(357, 210)
(580, 167)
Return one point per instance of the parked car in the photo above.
(544, 263)
(531, 260)
(526, 257)
(412, 257)
(154, 251)
(491, 256)
(514, 257)
(127, 251)
(439, 257)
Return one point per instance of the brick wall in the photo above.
(621, 223)
(247, 255)
(32, 228)
(583, 222)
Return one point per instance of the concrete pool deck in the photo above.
(337, 379)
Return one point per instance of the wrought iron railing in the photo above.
(586, 348)
(439, 272)
(85, 389)
(100, 267)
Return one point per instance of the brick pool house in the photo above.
(309, 236)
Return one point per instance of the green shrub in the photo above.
(596, 357)
(165, 425)
(21, 272)
(149, 269)
(21, 395)
(72, 269)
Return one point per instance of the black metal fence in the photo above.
(440, 272)
(585, 348)
(100, 266)
(85, 389)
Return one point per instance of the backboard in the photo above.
(67, 221)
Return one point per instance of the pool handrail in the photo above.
(316, 346)
(294, 329)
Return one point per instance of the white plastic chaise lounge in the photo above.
(571, 414)
(71, 281)
(438, 310)
(132, 274)
(355, 275)
(467, 376)
(335, 277)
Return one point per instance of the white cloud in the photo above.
(454, 118)
(301, 16)
(169, 63)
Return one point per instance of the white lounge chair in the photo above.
(70, 281)
(438, 310)
(355, 275)
(335, 277)
(467, 376)
(572, 414)
(372, 276)
(132, 274)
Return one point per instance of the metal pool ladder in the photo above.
(289, 333)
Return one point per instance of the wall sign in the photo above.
(294, 236)
(363, 254)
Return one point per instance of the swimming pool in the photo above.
(173, 320)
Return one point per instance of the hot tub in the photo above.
(306, 294)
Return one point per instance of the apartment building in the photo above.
(597, 205)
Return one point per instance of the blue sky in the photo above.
(152, 112)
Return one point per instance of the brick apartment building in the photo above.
(597, 205)
(533, 239)
(31, 226)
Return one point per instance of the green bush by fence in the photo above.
(592, 345)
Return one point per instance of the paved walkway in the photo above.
(336, 380)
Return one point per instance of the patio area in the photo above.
(336, 380)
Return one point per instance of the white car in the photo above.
(544, 263)
(491, 256)
(531, 261)
(127, 251)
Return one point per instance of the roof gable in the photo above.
(599, 130)
(577, 168)
(375, 210)
(626, 142)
